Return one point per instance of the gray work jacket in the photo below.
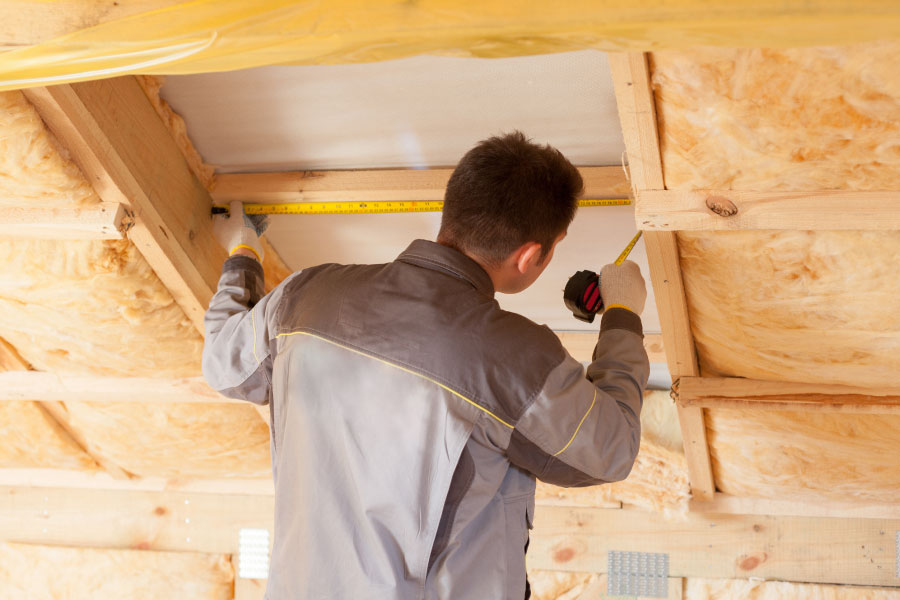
(410, 417)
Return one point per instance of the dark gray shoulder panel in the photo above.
(429, 321)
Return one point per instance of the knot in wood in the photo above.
(721, 206)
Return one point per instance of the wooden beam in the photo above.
(820, 507)
(580, 344)
(104, 221)
(91, 480)
(808, 549)
(39, 385)
(176, 521)
(114, 134)
(375, 185)
(637, 113)
(735, 392)
(713, 210)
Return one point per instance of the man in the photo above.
(410, 414)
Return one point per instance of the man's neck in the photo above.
(496, 277)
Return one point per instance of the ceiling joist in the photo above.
(736, 392)
(718, 210)
(128, 155)
(375, 185)
(631, 78)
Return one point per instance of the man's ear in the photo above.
(528, 253)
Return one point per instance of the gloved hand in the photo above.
(623, 287)
(237, 230)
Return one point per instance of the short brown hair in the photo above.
(507, 191)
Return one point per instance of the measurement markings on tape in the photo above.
(375, 207)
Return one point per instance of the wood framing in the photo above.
(580, 344)
(818, 507)
(735, 392)
(712, 210)
(142, 520)
(375, 185)
(89, 480)
(634, 97)
(104, 221)
(807, 549)
(39, 385)
(813, 549)
(114, 134)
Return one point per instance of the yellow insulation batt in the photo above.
(176, 441)
(659, 479)
(55, 573)
(96, 307)
(742, 589)
(92, 307)
(805, 455)
(794, 305)
(792, 119)
(31, 439)
(33, 169)
(558, 585)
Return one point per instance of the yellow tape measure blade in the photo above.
(373, 207)
(628, 248)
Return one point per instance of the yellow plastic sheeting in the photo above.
(218, 35)
(56, 573)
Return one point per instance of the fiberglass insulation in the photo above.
(80, 307)
(58, 573)
(659, 478)
(803, 306)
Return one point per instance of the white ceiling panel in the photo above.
(418, 112)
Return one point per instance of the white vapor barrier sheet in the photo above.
(418, 112)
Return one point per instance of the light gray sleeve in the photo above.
(236, 353)
(586, 429)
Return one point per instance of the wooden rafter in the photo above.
(717, 210)
(374, 185)
(634, 97)
(736, 392)
(126, 152)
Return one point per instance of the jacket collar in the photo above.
(432, 255)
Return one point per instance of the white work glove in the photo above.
(623, 287)
(237, 230)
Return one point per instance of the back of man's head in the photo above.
(507, 191)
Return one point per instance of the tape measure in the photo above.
(582, 292)
(374, 207)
